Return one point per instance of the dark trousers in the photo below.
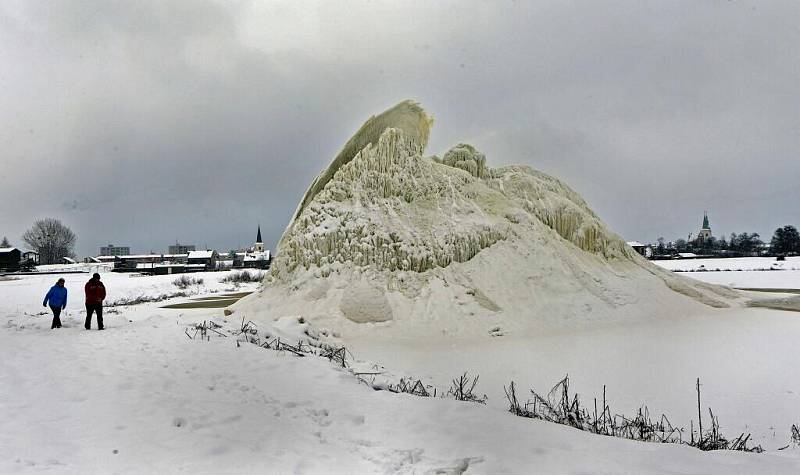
(94, 307)
(56, 317)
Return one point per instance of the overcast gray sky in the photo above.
(141, 123)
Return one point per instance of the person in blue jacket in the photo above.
(57, 298)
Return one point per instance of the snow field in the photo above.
(143, 398)
(744, 359)
(167, 404)
(731, 264)
(744, 272)
(24, 294)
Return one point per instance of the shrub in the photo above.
(185, 281)
(125, 301)
(243, 277)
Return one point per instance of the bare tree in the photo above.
(51, 239)
(5, 242)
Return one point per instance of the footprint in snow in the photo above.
(320, 417)
(357, 419)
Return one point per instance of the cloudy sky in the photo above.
(141, 123)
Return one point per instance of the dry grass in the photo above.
(243, 277)
(185, 281)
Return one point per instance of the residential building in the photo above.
(207, 259)
(134, 263)
(10, 258)
(178, 248)
(31, 256)
(643, 249)
(253, 260)
(112, 250)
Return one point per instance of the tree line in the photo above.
(785, 241)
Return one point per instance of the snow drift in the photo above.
(389, 239)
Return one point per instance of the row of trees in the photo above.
(785, 240)
(51, 238)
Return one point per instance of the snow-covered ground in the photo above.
(745, 359)
(24, 294)
(141, 397)
(743, 272)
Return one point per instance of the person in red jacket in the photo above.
(95, 293)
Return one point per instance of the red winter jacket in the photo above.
(95, 292)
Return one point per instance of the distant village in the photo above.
(179, 258)
(703, 244)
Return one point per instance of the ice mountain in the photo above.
(388, 239)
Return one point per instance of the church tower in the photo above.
(705, 231)
(259, 245)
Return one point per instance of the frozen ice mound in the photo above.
(389, 237)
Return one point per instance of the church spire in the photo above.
(705, 220)
(258, 237)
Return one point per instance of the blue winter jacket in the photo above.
(57, 296)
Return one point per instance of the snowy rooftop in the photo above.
(142, 256)
(152, 265)
(256, 256)
(200, 254)
(636, 244)
(155, 265)
(6, 249)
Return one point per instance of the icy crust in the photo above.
(558, 207)
(392, 209)
(407, 116)
(465, 157)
